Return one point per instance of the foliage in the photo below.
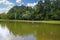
(3, 16)
(47, 10)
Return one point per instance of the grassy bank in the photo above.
(50, 22)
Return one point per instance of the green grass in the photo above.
(50, 22)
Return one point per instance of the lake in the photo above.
(29, 31)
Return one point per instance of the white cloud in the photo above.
(8, 4)
(2, 1)
(5, 10)
(21, 4)
(32, 4)
(18, 1)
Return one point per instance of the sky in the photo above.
(6, 5)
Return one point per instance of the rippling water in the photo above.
(29, 31)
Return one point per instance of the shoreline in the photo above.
(33, 21)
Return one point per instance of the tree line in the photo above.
(44, 10)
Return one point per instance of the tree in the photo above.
(3, 16)
(44, 10)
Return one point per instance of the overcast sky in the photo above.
(5, 5)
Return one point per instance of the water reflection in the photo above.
(29, 31)
(5, 34)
